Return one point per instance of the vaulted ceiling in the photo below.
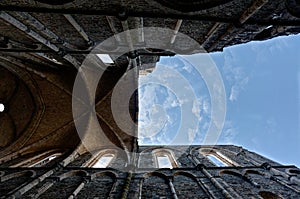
(44, 43)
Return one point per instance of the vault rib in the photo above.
(79, 29)
(25, 29)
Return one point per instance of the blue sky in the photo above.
(262, 85)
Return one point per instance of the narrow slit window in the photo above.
(216, 161)
(104, 161)
(164, 161)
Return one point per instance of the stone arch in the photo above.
(103, 153)
(254, 172)
(148, 158)
(268, 195)
(55, 2)
(195, 153)
(155, 185)
(186, 184)
(185, 160)
(191, 6)
(104, 173)
(253, 176)
(24, 109)
(218, 155)
(232, 173)
(199, 157)
(12, 125)
(155, 173)
(164, 152)
(66, 184)
(235, 179)
(100, 186)
(268, 182)
(12, 181)
(72, 174)
(294, 172)
(120, 157)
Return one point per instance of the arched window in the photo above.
(216, 160)
(104, 158)
(104, 161)
(164, 159)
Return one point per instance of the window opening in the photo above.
(164, 161)
(104, 161)
(216, 161)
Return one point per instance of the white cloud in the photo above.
(170, 89)
(234, 92)
(196, 108)
(188, 68)
(206, 106)
(174, 104)
(191, 135)
(229, 133)
(235, 75)
(171, 100)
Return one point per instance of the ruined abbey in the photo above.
(57, 143)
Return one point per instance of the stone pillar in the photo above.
(169, 181)
(226, 190)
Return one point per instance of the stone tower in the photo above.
(51, 136)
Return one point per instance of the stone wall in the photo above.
(248, 176)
